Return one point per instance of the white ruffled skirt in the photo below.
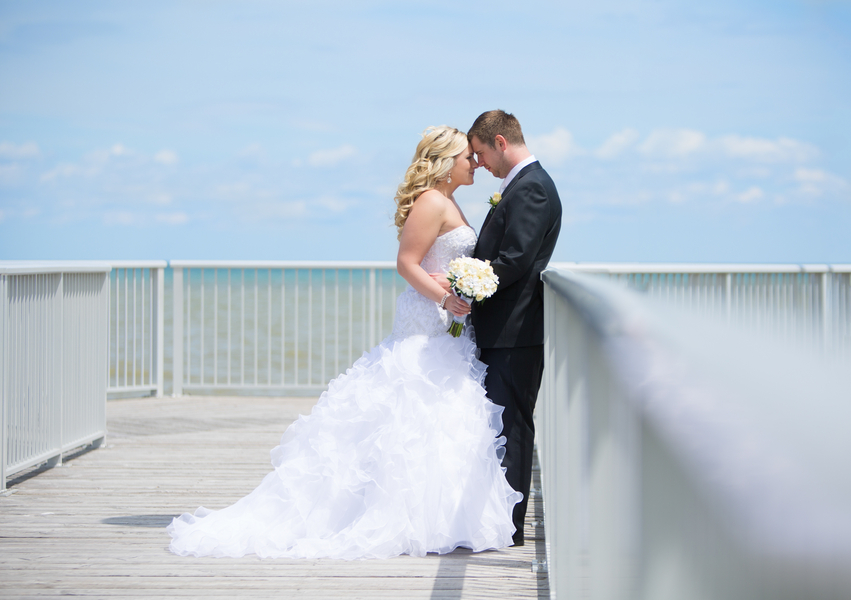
(400, 456)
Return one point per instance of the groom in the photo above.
(518, 238)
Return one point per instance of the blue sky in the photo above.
(280, 130)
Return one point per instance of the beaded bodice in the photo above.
(416, 314)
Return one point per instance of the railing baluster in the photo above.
(202, 355)
(323, 341)
(215, 326)
(336, 321)
(309, 326)
(372, 308)
(256, 318)
(230, 308)
(126, 319)
(189, 326)
(243, 343)
(283, 325)
(177, 331)
(269, 328)
(135, 327)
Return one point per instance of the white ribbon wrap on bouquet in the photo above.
(458, 319)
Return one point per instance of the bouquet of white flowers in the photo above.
(471, 279)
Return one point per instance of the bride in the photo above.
(400, 455)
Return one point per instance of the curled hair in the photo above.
(434, 158)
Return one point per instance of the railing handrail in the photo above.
(138, 264)
(662, 268)
(24, 267)
(281, 264)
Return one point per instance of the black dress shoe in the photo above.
(518, 538)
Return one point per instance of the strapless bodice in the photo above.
(416, 314)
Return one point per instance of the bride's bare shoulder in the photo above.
(431, 197)
(430, 201)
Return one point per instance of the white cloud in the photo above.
(120, 217)
(18, 151)
(815, 182)
(334, 204)
(811, 175)
(161, 199)
(677, 197)
(61, 170)
(10, 172)
(233, 191)
(672, 143)
(277, 210)
(253, 151)
(166, 157)
(698, 189)
(175, 218)
(332, 157)
(96, 160)
(721, 187)
(93, 164)
(617, 143)
(765, 150)
(555, 147)
(752, 194)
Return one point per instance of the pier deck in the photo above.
(94, 527)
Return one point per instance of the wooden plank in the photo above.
(95, 527)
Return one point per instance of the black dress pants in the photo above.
(512, 381)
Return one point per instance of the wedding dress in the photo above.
(400, 455)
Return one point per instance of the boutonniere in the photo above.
(494, 200)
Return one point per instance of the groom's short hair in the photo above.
(497, 122)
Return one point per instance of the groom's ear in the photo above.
(500, 143)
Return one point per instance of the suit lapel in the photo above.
(523, 172)
(488, 218)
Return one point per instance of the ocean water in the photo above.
(253, 329)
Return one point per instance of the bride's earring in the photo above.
(449, 179)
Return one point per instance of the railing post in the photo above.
(160, 329)
(4, 374)
(60, 298)
(177, 334)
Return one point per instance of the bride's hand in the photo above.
(456, 306)
(441, 280)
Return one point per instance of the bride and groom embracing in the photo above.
(425, 444)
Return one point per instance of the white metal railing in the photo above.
(53, 336)
(681, 458)
(275, 326)
(807, 304)
(136, 327)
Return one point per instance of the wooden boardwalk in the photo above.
(94, 527)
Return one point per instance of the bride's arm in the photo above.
(421, 230)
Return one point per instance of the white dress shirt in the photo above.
(513, 172)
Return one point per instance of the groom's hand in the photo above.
(456, 306)
(441, 280)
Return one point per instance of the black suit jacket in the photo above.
(518, 237)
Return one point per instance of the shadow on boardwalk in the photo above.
(94, 527)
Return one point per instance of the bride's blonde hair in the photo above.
(431, 164)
